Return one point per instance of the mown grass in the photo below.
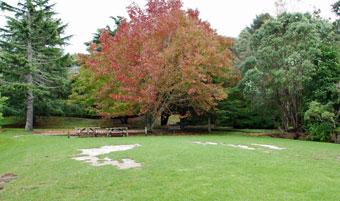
(173, 169)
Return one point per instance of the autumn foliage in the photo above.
(164, 60)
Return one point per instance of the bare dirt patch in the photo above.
(206, 143)
(6, 178)
(240, 146)
(272, 147)
(91, 156)
(229, 145)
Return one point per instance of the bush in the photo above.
(319, 121)
(2, 104)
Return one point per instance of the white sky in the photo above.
(228, 17)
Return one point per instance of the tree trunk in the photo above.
(29, 109)
(153, 121)
(149, 122)
(29, 80)
(284, 115)
(209, 124)
(164, 118)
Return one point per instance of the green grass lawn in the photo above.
(173, 169)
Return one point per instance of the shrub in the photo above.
(319, 121)
(2, 104)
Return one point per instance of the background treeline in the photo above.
(281, 72)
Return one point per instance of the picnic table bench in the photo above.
(87, 131)
(120, 131)
(97, 131)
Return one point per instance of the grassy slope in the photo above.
(173, 169)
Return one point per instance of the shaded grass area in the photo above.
(67, 122)
(12, 121)
(71, 122)
(53, 122)
(173, 169)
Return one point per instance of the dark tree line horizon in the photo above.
(284, 72)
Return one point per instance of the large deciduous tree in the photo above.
(164, 60)
(93, 91)
(32, 62)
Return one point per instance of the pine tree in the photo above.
(32, 60)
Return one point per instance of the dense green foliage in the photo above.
(84, 90)
(2, 105)
(238, 110)
(320, 121)
(287, 57)
(32, 61)
(87, 92)
(323, 85)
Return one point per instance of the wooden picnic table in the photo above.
(97, 131)
(110, 132)
(88, 131)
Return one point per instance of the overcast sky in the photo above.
(228, 17)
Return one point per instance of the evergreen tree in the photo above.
(292, 58)
(32, 61)
(111, 30)
(336, 10)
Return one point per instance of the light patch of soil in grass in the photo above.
(206, 143)
(229, 145)
(6, 178)
(272, 147)
(240, 146)
(91, 156)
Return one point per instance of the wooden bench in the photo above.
(118, 131)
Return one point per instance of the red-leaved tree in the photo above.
(165, 60)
